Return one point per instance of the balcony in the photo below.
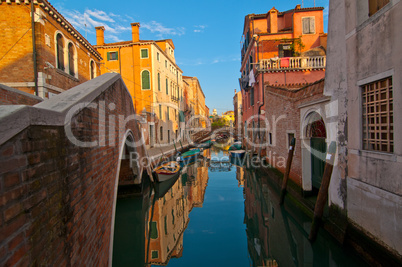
(292, 63)
(175, 99)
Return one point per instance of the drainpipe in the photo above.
(35, 67)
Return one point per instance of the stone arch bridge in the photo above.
(60, 165)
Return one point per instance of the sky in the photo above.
(206, 34)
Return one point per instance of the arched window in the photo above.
(92, 66)
(145, 80)
(71, 59)
(60, 51)
(161, 130)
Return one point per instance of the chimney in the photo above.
(273, 21)
(100, 37)
(135, 31)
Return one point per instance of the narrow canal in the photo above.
(218, 214)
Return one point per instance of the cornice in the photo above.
(49, 9)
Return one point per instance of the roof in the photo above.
(45, 5)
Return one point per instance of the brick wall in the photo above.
(10, 96)
(285, 102)
(56, 198)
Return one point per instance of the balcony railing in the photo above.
(292, 63)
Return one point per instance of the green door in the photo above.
(317, 160)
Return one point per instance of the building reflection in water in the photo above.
(169, 215)
(278, 235)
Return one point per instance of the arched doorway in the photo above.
(316, 132)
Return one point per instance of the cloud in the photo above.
(101, 15)
(199, 28)
(161, 31)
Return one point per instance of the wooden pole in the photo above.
(323, 192)
(287, 171)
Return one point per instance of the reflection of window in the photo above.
(145, 80)
(375, 5)
(308, 25)
(167, 86)
(161, 133)
(155, 254)
(378, 119)
(112, 56)
(153, 231)
(60, 52)
(71, 59)
(144, 53)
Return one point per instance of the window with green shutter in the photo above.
(159, 81)
(154, 230)
(145, 80)
(144, 53)
(167, 86)
(112, 56)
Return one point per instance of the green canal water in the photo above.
(218, 215)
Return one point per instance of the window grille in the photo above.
(378, 127)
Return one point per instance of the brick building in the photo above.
(64, 58)
(280, 49)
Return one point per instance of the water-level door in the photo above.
(318, 152)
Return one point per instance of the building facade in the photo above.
(196, 98)
(281, 49)
(63, 57)
(364, 81)
(153, 79)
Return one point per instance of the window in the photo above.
(60, 51)
(167, 112)
(161, 133)
(308, 25)
(112, 56)
(378, 119)
(145, 80)
(144, 53)
(285, 50)
(154, 230)
(167, 86)
(375, 5)
(270, 138)
(92, 69)
(160, 112)
(154, 254)
(71, 59)
(290, 138)
(165, 63)
(159, 82)
(157, 56)
(252, 96)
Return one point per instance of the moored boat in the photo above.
(167, 171)
(190, 156)
(237, 153)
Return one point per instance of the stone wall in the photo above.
(57, 198)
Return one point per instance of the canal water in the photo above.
(218, 214)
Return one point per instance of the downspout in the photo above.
(119, 60)
(35, 67)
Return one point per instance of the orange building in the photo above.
(153, 79)
(196, 100)
(63, 57)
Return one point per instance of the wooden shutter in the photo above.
(108, 56)
(312, 25)
(145, 80)
(306, 25)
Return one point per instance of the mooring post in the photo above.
(287, 171)
(181, 146)
(323, 192)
